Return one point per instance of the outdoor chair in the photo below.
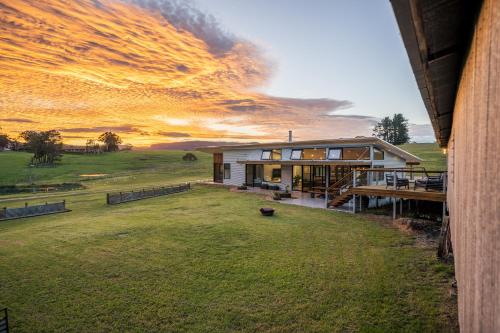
(400, 182)
(430, 183)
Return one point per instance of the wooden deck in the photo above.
(381, 190)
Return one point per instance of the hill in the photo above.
(433, 156)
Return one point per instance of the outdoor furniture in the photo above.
(264, 186)
(430, 183)
(267, 211)
(400, 182)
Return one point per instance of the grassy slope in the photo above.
(433, 157)
(207, 261)
(122, 168)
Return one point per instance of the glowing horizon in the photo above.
(87, 66)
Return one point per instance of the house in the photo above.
(305, 166)
(454, 50)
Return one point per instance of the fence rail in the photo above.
(35, 210)
(121, 197)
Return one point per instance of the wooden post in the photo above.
(401, 207)
(327, 183)
(394, 182)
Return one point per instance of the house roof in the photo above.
(410, 158)
(437, 34)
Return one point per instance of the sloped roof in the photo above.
(436, 34)
(409, 158)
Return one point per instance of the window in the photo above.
(266, 154)
(335, 153)
(378, 154)
(274, 154)
(296, 154)
(314, 154)
(272, 173)
(227, 171)
(356, 153)
(378, 176)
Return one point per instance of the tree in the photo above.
(393, 130)
(4, 141)
(91, 147)
(400, 128)
(46, 146)
(189, 157)
(111, 141)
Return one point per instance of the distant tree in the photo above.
(111, 141)
(400, 129)
(92, 147)
(4, 141)
(45, 145)
(393, 130)
(189, 157)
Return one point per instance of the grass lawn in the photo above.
(206, 261)
(433, 156)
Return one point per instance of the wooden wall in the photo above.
(474, 178)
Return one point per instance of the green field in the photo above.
(433, 156)
(123, 168)
(205, 260)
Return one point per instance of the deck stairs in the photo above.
(340, 192)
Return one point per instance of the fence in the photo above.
(4, 321)
(36, 210)
(117, 198)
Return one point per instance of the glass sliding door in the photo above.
(297, 178)
(254, 174)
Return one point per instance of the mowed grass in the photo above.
(206, 261)
(434, 159)
(122, 167)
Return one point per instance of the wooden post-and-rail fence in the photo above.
(121, 197)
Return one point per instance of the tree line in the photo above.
(47, 146)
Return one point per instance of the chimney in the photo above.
(290, 136)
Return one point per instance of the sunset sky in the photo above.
(219, 70)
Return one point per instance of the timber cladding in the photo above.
(474, 178)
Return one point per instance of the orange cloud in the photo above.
(86, 65)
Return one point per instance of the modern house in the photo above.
(306, 166)
(454, 50)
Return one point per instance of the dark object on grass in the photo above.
(4, 321)
(242, 187)
(286, 195)
(267, 211)
(190, 157)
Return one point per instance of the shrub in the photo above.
(189, 157)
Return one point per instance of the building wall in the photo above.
(237, 169)
(474, 178)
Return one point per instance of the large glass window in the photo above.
(378, 176)
(227, 171)
(272, 173)
(334, 153)
(266, 155)
(314, 154)
(378, 154)
(274, 154)
(296, 154)
(356, 153)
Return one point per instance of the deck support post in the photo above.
(327, 180)
(394, 183)
(401, 207)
